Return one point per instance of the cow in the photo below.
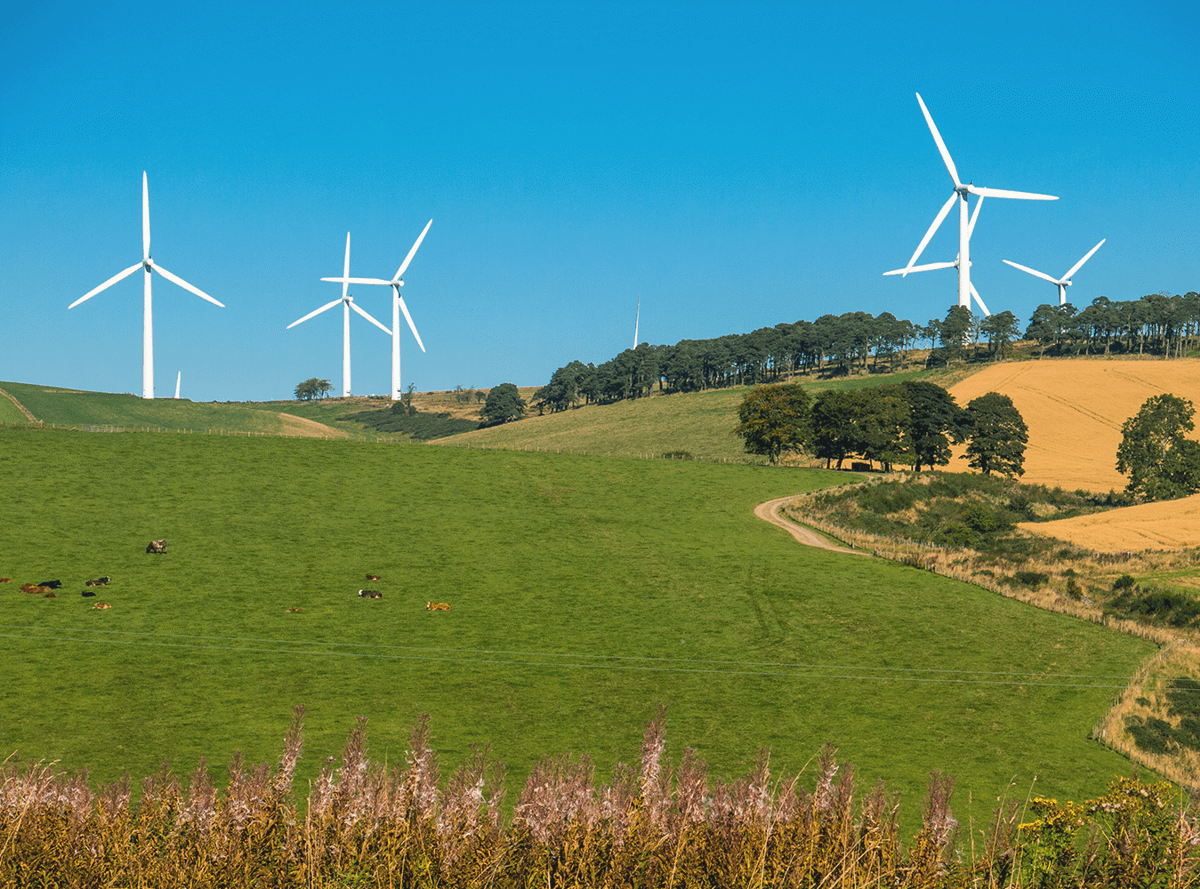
(5, 580)
(99, 581)
(34, 589)
(49, 596)
(436, 606)
(100, 605)
(370, 594)
(372, 577)
(157, 546)
(87, 593)
(294, 610)
(50, 584)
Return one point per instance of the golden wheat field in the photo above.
(1074, 409)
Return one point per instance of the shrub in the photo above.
(1031, 579)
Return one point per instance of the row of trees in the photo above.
(858, 341)
(1158, 324)
(911, 424)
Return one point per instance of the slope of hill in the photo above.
(1074, 409)
(1171, 524)
(696, 423)
(78, 409)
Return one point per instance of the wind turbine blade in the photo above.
(1018, 195)
(411, 254)
(1033, 272)
(937, 137)
(145, 217)
(1079, 265)
(356, 308)
(974, 216)
(361, 281)
(323, 308)
(184, 284)
(408, 318)
(979, 299)
(922, 268)
(933, 228)
(346, 268)
(109, 283)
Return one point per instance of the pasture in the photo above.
(585, 591)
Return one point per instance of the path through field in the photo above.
(769, 512)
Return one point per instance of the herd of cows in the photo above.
(46, 588)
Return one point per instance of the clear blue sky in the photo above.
(738, 164)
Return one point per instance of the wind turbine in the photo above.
(147, 264)
(398, 306)
(636, 320)
(178, 380)
(1065, 281)
(965, 225)
(347, 303)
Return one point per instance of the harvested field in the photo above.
(1172, 524)
(1074, 409)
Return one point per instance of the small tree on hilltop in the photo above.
(774, 419)
(504, 403)
(998, 435)
(1161, 463)
(313, 388)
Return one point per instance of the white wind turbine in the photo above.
(147, 264)
(1065, 281)
(398, 306)
(965, 224)
(347, 303)
(637, 320)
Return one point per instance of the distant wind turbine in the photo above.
(347, 304)
(636, 320)
(178, 380)
(398, 306)
(147, 264)
(1065, 281)
(965, 225)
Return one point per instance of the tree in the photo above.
(504, 403)
(1000, 330)
(774, 419)
(955, 331)
(313, 388)
(998, 435)
(934, 420)
(1161, 463)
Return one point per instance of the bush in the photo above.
(1031, 579)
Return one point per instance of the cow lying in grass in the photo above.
(370, 594)
(99, 581)
(436, 606)
(372, 577)
(157, 546)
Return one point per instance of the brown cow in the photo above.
(99, 581)
(372, 577)
(157, 546)
(436, 606)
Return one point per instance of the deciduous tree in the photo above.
(504, 403)
(1160, 461)
(313, 388)
(998, 435)
(774, 419)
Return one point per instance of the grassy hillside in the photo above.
(698, 423)
(584, 592)
(71, 408)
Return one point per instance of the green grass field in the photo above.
(585, 591)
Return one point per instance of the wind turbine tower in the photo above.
(147, 265)
(636, 320)
(966, 222)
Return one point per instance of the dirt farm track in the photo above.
(1074, 409)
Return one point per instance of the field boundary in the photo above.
(20, 407)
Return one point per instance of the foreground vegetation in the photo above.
(659, 824)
